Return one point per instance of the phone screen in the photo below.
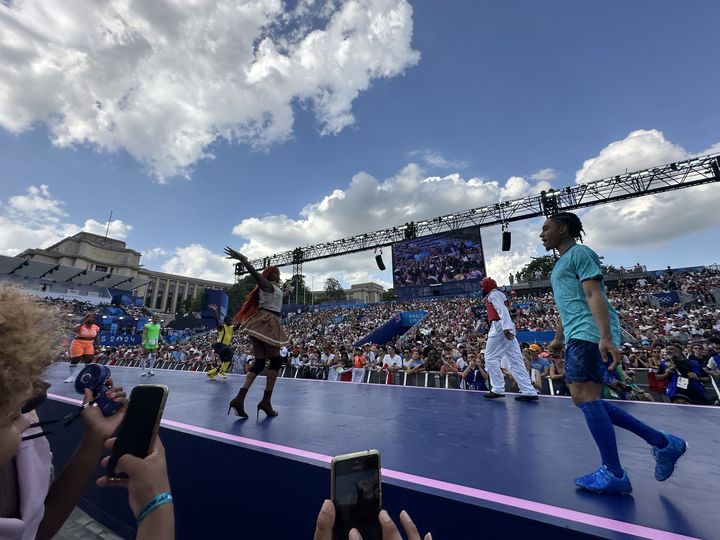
(356, 494)
(139, 427)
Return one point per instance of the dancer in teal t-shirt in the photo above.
(590, 330)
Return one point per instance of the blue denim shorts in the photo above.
(583, 362)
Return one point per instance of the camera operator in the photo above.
(685, 377)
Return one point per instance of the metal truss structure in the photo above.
(672, 176)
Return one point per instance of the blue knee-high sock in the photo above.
(602, 430)
(622, 419)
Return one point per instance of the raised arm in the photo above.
(288, 289)
(263, 283)
(216, 313)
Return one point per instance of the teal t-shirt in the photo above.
(578, 264)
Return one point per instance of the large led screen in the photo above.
(439, 262)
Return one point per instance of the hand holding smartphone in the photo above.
(355, 490)
(138, 430)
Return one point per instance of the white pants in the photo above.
(498, 346)
(151, 357)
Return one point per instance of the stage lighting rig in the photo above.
(549, 202)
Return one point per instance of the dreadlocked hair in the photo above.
(252, 302)
(572, 222)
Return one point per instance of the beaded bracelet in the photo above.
(159, 500)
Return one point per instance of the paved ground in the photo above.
(80, 526)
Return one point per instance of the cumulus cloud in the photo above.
(164, 80)
(369, 204)
(155, 253)
(544, 174)
(199, 262)
(37, 202)
(639, 150)
(36, 219)
(646, 222)
(118, 229)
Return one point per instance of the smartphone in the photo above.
(137, 432)
(355, 489)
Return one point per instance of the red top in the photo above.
(492, 312)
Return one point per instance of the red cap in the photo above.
(487, 284)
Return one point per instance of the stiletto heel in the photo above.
(238, 404)
(265, 405)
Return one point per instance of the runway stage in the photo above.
(463, 467)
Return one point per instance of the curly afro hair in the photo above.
(29, 337)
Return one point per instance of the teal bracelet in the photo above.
(159, 500)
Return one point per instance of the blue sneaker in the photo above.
(603, 481)
(666, 458)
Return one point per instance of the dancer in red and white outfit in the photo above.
(502, 342)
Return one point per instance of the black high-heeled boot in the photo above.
(265, 405)
(238, 404)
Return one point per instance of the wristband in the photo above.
(155, 502)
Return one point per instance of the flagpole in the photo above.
(107, 230)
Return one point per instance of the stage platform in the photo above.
(463, 467)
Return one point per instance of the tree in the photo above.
(301, 294)
(544, 264)
(238, 293)
(388, 295)
(333, 290)
(197, 302)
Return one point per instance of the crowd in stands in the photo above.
(434, 261)
(327, 344)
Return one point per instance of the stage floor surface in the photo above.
(514, 456)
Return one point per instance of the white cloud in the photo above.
(37, 203)
(639, 150)
(118, 229)
(544, 174)
(37, 220)
(165, 79)
(199, 262)
(646, 222)
(155, 253)
(436, 160)
(368, 204)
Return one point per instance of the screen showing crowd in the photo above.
(442, 258)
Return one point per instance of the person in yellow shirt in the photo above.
(223, 344)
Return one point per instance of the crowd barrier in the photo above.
(427, 379)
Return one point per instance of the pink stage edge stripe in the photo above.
(506, 500)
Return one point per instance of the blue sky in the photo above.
(327, 119)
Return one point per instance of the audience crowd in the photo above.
(450, 339)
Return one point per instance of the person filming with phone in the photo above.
(32, 503)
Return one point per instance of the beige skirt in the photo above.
(266, 327)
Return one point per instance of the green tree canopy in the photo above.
(301, 294)
(238, 293)
(544, 264)
(196, 304)
(388, 295)
(333, 290)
